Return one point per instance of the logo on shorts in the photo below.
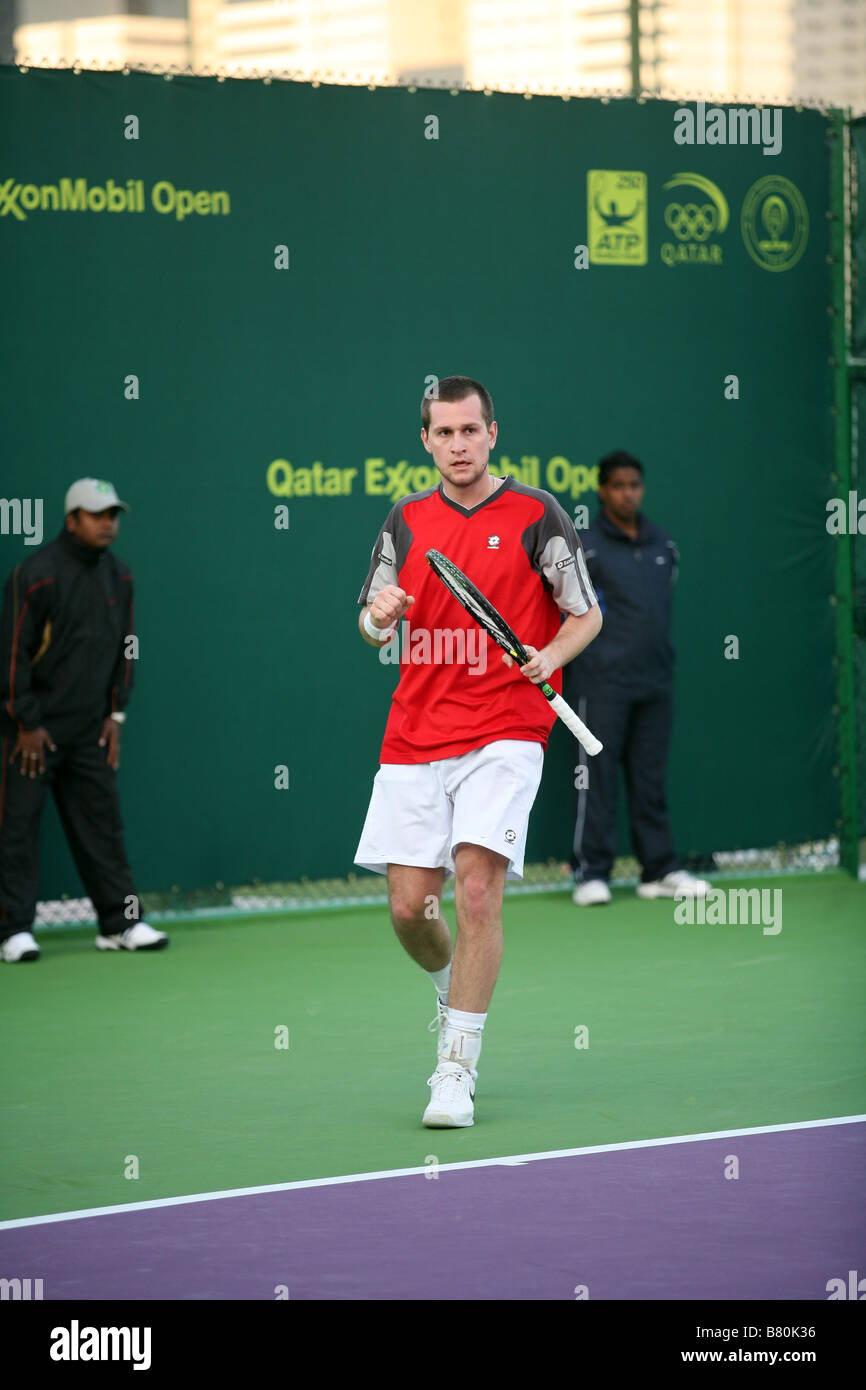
(510, 836)
(492, 542)
(564, 564)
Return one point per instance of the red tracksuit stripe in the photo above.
(10, 701)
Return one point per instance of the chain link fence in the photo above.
(307, 895)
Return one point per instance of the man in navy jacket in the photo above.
(622, 687)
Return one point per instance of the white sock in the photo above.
(467, 1023)
(461, 1040)
(442, 981)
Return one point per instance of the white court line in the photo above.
(509, 1161)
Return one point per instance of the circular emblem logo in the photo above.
(775, 223)
(510, 836)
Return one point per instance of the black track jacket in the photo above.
(67, 611)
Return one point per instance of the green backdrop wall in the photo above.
(411, 256)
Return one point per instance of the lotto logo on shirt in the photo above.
(444, 646)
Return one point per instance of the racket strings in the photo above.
(470, 600)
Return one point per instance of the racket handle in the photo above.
(577, 727)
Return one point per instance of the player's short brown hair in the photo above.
(456, 388)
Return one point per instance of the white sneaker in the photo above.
(677, 882)
(21, 946)
(591, 893)
(138, 937)
(452, 1093)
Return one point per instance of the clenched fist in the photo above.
(389, 605)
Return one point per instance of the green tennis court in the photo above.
(171, 1059)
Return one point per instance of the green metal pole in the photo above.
(635, 47)
(843, 596)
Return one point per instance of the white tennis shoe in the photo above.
(452, 1096)
(591, 893)
(138, 937)
(21, 946)
(678, 882)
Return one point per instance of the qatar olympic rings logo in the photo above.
(687, 221)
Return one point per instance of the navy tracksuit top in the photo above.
(633, 579)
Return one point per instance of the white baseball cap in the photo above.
(94, 495)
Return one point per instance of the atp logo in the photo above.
(492, 542)
(616, 206)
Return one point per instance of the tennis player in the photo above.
(462, 754)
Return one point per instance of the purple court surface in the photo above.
(658, 1222)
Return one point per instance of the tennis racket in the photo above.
(486, 616)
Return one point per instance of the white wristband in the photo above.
(119, 717)
(380, 634)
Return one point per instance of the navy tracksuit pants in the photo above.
(636, 733)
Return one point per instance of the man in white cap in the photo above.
(65, 680)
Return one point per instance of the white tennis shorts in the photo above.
(419, 812)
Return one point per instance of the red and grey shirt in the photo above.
(520, 548)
